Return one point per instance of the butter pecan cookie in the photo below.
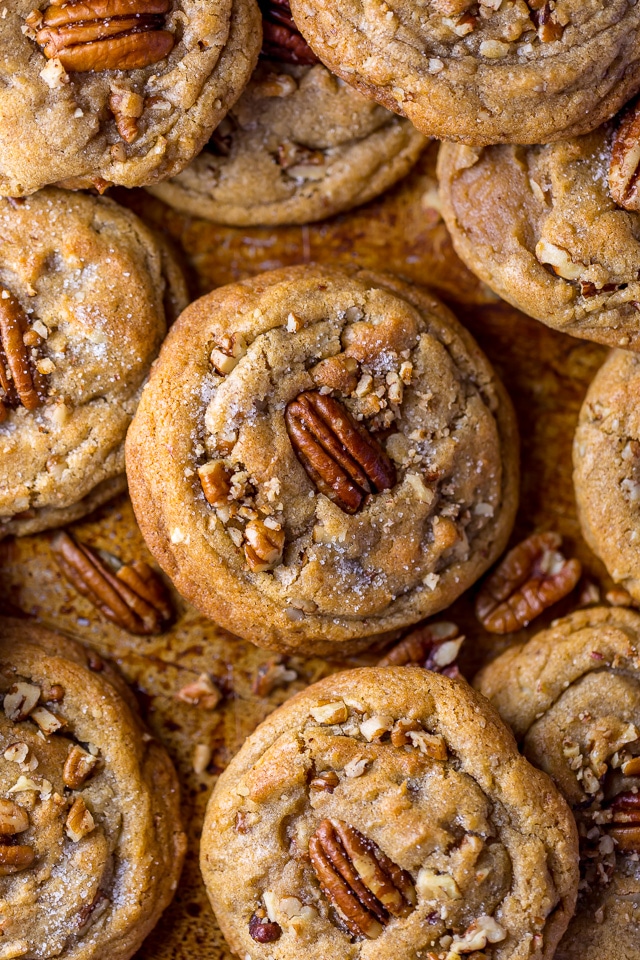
(483, 71)
(101, 92)
(546, 229)
(385, 813)
(572, 697)
(85, 293)
(606, 462)
(91, 845)
(321, 456)
(299, 145)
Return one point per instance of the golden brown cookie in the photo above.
(606, 462)
(385, 813)
(322, 456)
(300, 144)
(92, 845)
(545, 229)
(117, 91)
(85, 294)
(492, 71)
(572, 697)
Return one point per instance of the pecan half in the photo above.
(131, 596)
(281, 39)
(340, 456)
(20, 381)
(532, 577)
(624, 169)
(625, 823)
(365, 887)
(433, 646)
(103, 34)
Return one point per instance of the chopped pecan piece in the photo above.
(624, 169)
(625, 823)
(127, 108)
(20, 380)
(96, 35)
(13, 819)
(342, 458)
(79, 822)
(15, 858)
(281, 39)
(365, 887)
(215, 480)
(20, 699)
(78, 767)
(532, 577)
(201, 692)
(132, 596)
(433, 646)
(264, 546)
(263, 930)
(546, 21)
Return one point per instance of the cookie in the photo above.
(92, 845)
(322, 456)
(572, 697)
(86, 291)
(541, 227)
(487, 72)
(385, 812)
(300, 145)
(606, 463)
(119, 92)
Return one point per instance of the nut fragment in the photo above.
(48, 722)
(365, 887)
(625, 822)
(78, 767)
(86, 35)
(433, 646)
(215, 480)
(127, 108)
(624, 169)
(532, 577)
(201, 693)
(15, 858)
(281, 39)
(79, 822)
(264, 546)
(13, 819)
(263, 930)
(20, 380)
(131, 596)
(330, 713)
(326, 781)
(20, 700)
(340, 456)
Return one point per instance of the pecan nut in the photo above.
(264, 546)
(96, 35)
(263, 930)
(624, 168)
(131, 596)
(363, 885)
(14, 858)
(20, 380)
(532, 577)
(433, 646)
(340, 456)
(625, 822)
(281, 39)
(13, 819)
(78, 767)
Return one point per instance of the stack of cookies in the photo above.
(320, 459)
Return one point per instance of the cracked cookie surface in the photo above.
(87, 291)
(489, 72)
(300, 145)
(540, 227)
(572, 697)
(91, 846)
(322, 456)
(108, 122)
(405, 774)
(606, 468)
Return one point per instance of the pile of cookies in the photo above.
(320, 459)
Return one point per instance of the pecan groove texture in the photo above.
(20, 382)
(340, 457)
(366, 888)
(625, 823)
(281, 38)
(132, 597)
(624, 169)
(96, 35)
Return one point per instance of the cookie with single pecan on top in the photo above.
(86, 292)
(572, 697)
(322, 456)
(91, 845)
(102, 92)
(554, 230)
(300, 144)
(386, 813)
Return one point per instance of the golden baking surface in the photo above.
(546, 374)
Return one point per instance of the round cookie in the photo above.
(572, 697)
(540, 226)
(119, 92)
(487, 72)
(606, 468)
(92, 845)
(322, 456)
(385, 813)
(85, 294)
(300, 145)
